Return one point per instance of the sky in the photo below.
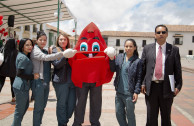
(128, 15)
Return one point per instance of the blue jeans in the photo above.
(40, 91)
(125, 110)
(66, 100)
(22, 104)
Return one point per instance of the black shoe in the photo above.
(13, 99)
(76, 124)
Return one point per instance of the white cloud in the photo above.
(128, 15)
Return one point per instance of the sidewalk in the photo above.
(108, 117)
(187, 64)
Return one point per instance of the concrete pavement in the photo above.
(108, 117)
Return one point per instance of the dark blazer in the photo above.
(172, 67)
(134, 70)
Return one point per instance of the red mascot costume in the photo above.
(90, 69)
(90, 64)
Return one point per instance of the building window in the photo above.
(178, 41)
(193, 39)
(121, 51)
(27, 28)
(34, 28)
(19, 27)
(34, 41)
(117, 42)
(190, 52)
(106, 40)
(143, 43)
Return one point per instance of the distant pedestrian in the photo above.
(128, 68)
(8, 67)
(22, 82)
(160, 59)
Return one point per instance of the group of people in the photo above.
(33, 66)
(149, 75)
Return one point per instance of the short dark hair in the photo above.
(22, 43)
(161, 25)
(39, 34)
(134, 44)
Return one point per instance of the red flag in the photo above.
(1, 17)
(3, 29)
(18, 41)
(5, 34)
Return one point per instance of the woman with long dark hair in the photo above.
(128, 68)
(22, 82)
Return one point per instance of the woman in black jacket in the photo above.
(128, 68)
(8, 68)
(64, 87)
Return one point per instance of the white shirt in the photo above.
(163, 60)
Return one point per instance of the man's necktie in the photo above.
(158, 66)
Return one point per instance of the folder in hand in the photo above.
(172, 82)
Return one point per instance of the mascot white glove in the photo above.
(111, 52)
(68, 53)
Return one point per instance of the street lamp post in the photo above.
(75, 29)
(58, 19)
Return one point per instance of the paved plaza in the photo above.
(182, 110)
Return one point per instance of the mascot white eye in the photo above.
(95, 46)
(84, 46)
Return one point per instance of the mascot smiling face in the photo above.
(91, 40)
(90, 64)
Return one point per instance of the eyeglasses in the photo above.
(159, 32)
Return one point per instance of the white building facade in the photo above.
(117, 39)
(30, 31)
(181, 36)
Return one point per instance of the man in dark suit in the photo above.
(160, 59)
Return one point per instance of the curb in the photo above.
(188, 69)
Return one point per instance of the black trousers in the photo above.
(95, 104)
(2, 82)
(156, 102)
